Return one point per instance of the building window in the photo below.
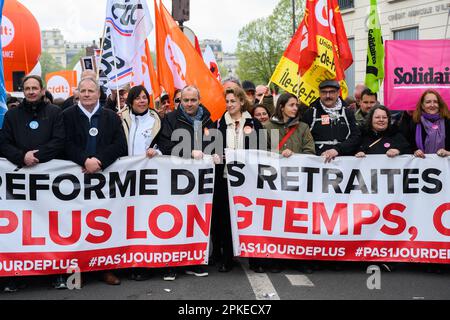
(407, 34)
(350, 72)
(346, 4)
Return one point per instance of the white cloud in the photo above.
(82, 20)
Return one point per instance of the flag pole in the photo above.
(446, 26)
(102, 43)
(117, 80)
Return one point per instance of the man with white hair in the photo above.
(94, 137)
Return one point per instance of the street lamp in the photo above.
(180, 11)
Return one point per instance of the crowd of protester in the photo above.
(93, 130)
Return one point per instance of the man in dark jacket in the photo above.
(194, 119)
(33, 132)
(332, 125)
(94, 137)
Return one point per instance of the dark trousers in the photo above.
(221, 223)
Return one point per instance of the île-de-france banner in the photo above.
(413, 66)
(318, 51)
(137, 213)
(370, 209)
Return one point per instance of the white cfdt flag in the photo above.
(130, 25)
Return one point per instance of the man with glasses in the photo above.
(332, 125)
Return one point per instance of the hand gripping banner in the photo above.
(371, 209)
(137, 213)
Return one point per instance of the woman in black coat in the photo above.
(237, 128)
(380, 137)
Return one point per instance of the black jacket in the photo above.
(176, 120)
(380, 142)
(254, 124)
(110, 141)
(18, 137)
(335, 130)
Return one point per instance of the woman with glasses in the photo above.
(380, 137)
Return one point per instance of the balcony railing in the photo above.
(346, 4)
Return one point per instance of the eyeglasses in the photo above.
(177, 100)
(327, 92)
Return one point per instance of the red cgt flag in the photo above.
(179, 64)
(325, 44)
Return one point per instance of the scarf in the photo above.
(138, 114)
(435, 133)
(333, 112)
(195, 121)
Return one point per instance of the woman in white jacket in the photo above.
(141, 124)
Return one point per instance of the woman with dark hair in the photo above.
(261, 113)
(380, 137)
(429, 132)
(142, 126)
(239, 131)
(140, 123)
(176, 98)
(294, 136)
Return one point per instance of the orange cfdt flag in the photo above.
(179, 64)
(156, 90)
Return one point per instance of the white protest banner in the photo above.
(137, 213)
(370, 209)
